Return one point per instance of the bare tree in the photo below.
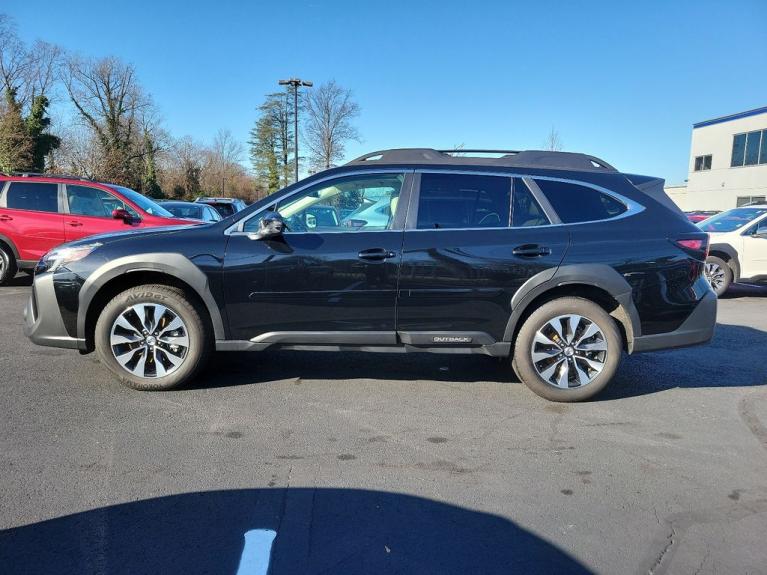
(553, 141)
(27, 73)
(45, 62)
(329, 110)
(110, 102)
(14, 59)
(227, 153)
(79, 153)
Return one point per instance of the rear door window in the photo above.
(576, 203)
(452, 201)
(526, 212)
(37, 197)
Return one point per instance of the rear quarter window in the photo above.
(576, 203)
(37, 197)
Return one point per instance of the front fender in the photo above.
(173, 264)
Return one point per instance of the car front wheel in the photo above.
(153, 337)
(568, 350)
(7, 265)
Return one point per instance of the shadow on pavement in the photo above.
(745, 290)
(243, 368)
(733, 358)
(730, 360)
(345, 531)
(21, 280)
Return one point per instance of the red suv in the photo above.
(39, 212)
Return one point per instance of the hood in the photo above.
(111, 237)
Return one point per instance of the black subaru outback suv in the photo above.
(554, 260)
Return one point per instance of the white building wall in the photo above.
(678, 195)
(719, 187)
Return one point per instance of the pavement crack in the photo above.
(658, 563)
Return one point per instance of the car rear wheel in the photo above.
(568, 350)
(153, 337)
(7, 265)
(718, 274)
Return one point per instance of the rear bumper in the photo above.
(42, 317)
(696, 329)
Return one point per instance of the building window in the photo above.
(747, 200)
(702, 163)
(749, 149)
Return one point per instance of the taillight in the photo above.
(692, 245)
(697, 247)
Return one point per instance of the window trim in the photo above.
(632, 207)
(6, 185)
(236, 229)
(411, 192)
(759, 152)
(65, 201)
(702, 159)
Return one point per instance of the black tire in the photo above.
(718, 274)
(610, 358)
(197, 329)
(8, 267)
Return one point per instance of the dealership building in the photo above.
(728, 163)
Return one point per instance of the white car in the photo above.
(738, 248)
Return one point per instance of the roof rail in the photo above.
(477, 151)
(42, 175)
(509, 158)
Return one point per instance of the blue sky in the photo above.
(624, 81)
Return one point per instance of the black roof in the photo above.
(505, 158)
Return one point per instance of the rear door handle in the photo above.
(531, 251)
(75, 224)
(5, 218)
(376, 254)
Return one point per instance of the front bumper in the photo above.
(42, 317)
(698, 328)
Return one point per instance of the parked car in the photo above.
(225, 206)
(738, 250)
(700, 215)
(553, 260)
(192, 211)
(39, 212)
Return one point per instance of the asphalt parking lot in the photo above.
(368, 463)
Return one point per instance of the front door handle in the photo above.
(75, 224)
(5, 218)
(531, 251)
(376, 254)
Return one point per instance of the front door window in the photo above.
(352, 204)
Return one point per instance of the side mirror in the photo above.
(271, 225)
(355, 223)
(124, 215)
(761, 232)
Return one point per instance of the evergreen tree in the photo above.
(37, 125)
(16, 145)
(150, 186)
(263, 152)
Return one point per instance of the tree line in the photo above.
(105, 126)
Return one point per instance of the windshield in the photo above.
(149, 206)
(731, 220)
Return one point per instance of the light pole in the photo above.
(295, 83)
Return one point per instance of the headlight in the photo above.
(59, 257)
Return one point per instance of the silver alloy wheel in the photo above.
(149, 340)
(569, 351)
(2, 266)
(715, 276)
